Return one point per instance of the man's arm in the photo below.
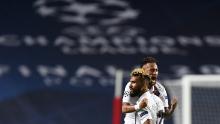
(169, 111)
(148, 121)
(127, 107)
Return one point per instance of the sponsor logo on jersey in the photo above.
(143, 113)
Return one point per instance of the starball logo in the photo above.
(95, 27)
(89, 12)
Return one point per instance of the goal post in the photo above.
(198, 99)
(198, 81)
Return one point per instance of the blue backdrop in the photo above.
(58, 57)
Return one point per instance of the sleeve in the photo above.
(126, 95)
(160, 105)
(163, 95)
(165, 99)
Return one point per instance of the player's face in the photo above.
(151, 70)
(135, 86)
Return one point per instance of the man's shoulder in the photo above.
(127, 86)
(144, 95)
(160, 86)
(157, 98)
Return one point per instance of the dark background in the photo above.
(84, 93)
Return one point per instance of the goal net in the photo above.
(198, 99)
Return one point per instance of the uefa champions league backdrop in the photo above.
(58, 57)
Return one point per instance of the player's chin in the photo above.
(132, 93)
(153, 82)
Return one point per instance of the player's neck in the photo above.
(150, 86)
(143, 91)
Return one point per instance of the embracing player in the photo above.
(129, 102)
(139, 86)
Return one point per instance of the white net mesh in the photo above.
(205, 105)
(204, 100)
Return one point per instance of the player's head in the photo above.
(139, 82)
(149, 64)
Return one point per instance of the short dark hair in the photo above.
(148, 60)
